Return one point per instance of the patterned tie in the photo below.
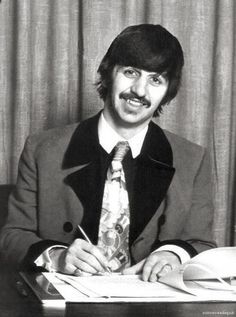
(113, 236)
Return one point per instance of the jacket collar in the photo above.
(156, 146)
(84, 144)
(86, 174)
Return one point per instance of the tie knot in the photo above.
(121, 149)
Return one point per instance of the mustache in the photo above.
(132, 95)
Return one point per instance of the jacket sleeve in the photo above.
(185, 217)
(19, 240)
(198, 228)
(189, 214)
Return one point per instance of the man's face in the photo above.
(134, 97)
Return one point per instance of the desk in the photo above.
(14, 305)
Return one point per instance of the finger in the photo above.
(78, 272)
(89, 254)
(152, 267)
(69, 261)
(85, 267)
(135, 269)
(94, 250)
(159, 270)
(166, 269)
(151, 262)
(72, 260)
(88, 260)
(65, 262)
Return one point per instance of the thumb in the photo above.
(135, 269)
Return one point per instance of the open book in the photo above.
(208, 276)
(211, 270)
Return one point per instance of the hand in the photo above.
(155, 265)
(80, 258)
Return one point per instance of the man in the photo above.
(66, 176)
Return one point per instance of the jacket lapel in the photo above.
(153, 174)
(83, 158)
(148, 179)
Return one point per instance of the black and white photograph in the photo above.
(117, 158)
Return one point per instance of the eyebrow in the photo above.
(152, 73)
(162, 76)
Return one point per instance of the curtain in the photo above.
(49, 54)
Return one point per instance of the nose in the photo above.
(139, 87)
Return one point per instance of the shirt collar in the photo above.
(108, 137)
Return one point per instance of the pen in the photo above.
(21, 289)
(84, 234)
(88, 240)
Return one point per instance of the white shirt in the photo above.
(108, 138)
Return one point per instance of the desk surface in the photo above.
(14, 305)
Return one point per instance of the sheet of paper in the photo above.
(209, 276)
(73, 294)
(121, 286)
(118, 286)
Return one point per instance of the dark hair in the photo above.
(146, 46)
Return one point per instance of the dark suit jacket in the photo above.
(60, 185)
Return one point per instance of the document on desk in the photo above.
(130, 288)
(113, 288)
(209, 276)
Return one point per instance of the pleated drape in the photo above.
(49, 54)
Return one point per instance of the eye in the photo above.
(155, 80)
(130, 72)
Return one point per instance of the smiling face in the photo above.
(134, 97)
